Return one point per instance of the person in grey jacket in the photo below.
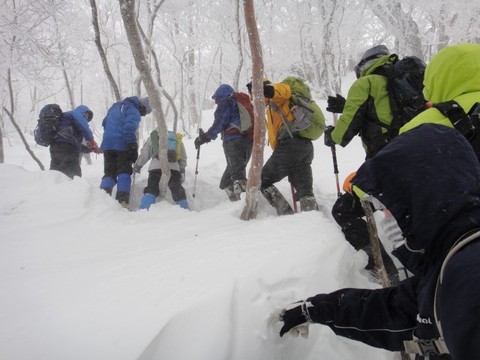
(177, 161)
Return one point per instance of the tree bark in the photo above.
(101, 52)
(254, 176)
(127, 9)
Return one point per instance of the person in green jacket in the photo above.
(366, 111)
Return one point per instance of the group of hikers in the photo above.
(424, 176)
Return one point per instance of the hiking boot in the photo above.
(239, 186)
(390, 267)
(308, 203)
(277, 200)
(231, 193)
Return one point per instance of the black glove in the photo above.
(327, 136)
(268, 89)
(201, 139)
(335, 104)
(132, 152)
(293, 316)
(249, 87)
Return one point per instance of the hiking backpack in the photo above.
(48, 123)
(245, 109)
(309, 121)
(467, 124)
(405, 90)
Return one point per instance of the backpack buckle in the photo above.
(426, 347)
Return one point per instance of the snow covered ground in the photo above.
(83, 278)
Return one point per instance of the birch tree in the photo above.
(127, 9)
(254, 176)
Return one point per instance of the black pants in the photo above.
(174, 184)
(292, 158)
(348, 213)
(117, 169)
(65, 158)
(237, 153)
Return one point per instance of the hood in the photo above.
(453, 71)
(223, 92)
(82, 108)
(428, 178)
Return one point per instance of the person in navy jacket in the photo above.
(120, 146)
(237, 146)
(428, 177)
(66, 148)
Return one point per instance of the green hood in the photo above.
(453, 71)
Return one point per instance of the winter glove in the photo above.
(295, 317)
(132, 152)
(201, 139)
(335, 104)
(347, 184)
(249, 87)
(137, 169)
(327, 136)
(92, 146)
(268, 89)
(182, 177)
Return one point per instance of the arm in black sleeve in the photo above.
(382, 318)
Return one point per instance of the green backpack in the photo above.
(309, 120)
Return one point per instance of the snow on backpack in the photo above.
(405, 89)
(245, 109)
(47, 126)
(309, 121)
(468, 124)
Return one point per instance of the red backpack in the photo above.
(245, 109)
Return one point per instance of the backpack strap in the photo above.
(277, 109)
(451, 109)
(458, 117)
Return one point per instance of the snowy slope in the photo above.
(83, 278)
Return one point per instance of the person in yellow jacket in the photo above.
(292, 154)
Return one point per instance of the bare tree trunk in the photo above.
(2, 153)
(236, 78)
(12, 119)
(159, 79)
(127, 8)
(192, 103)
(101, 51)
(254, 180)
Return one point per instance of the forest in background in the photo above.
(74, 52)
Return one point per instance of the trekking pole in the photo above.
(335, 169)
(132, 189)
(196, 173)
(334, 158)
(293, 198)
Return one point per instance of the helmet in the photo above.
(371, 54)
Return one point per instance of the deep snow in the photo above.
(83, 278)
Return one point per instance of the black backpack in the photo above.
(467, 124)
(47, 126)
(405, 90)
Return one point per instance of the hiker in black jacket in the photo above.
(429, 179)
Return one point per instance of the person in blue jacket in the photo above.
(66, 148)
(237, 146)
(120, 146)
(428, 177)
